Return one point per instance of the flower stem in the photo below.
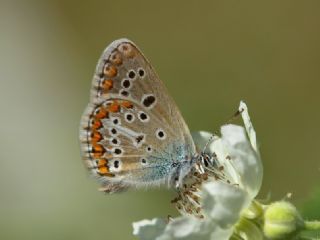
(312, 225)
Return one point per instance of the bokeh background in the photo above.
(210, 54)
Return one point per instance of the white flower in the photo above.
(223, 198)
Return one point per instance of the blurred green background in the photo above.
(210, 54)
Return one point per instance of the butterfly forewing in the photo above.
(132, 132)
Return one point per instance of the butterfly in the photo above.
(132, 133)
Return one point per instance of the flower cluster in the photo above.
(218, 202)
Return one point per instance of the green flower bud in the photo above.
(282, 221)
(247, 229)
(254, 211)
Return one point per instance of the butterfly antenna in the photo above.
(233, 118)
(207, 143)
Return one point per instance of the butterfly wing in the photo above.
(132, 133)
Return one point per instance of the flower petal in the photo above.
(149, 229)
(223, 203)
(190, 228)
(243, 109)
(236, 153)
(182, 228)
(245, 160)
(185, 228)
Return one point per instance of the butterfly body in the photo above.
(132, 133)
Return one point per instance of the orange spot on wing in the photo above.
(107, 84)
(96, 124)
(126, 104)
(127, 50)
(110, 71)
(103, 170)
(102, 163)
(96, 137)
(114, 107)
(97, 150)
(115, 58)
(102, 113)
